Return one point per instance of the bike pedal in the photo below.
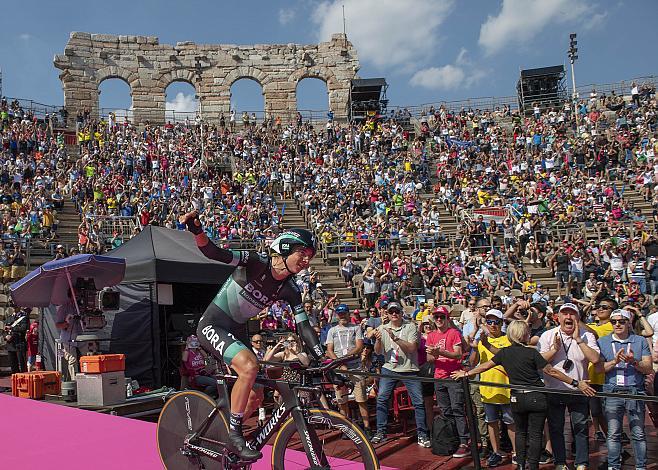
(233, 461)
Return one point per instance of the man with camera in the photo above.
(569, 347)
(398, 342)
(16, 326)
(67, 321)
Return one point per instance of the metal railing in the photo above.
(484, 103)
(37, 109)
(490, 103)
(156, 116)
(110, 226)
(620, 88)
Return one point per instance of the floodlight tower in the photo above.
(573, 56)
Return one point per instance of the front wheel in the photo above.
(343, 443)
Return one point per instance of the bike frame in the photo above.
(259, 437)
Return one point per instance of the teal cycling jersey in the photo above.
(251, 288)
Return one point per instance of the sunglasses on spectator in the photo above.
(621, 321)
(493, 322)
(485, 306)
(394, 312)
(600, 306)
(256, 340)
(441, 316)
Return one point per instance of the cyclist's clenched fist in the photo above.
(191, 220)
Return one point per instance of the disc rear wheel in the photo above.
(181, 416)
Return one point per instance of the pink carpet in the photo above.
(37, 435)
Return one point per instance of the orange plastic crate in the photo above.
(36, 384)
(102, 363)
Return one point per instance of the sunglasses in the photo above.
(619, 322)
(441, 317)
(256, 340)
(601, 306)
(493, 322)
(394, 312)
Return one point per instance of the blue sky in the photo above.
(428, 50)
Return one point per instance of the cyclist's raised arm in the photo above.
(208, 248)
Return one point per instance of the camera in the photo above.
(93, 302)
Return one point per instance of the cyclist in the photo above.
(256, 283)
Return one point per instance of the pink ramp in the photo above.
(35, 436)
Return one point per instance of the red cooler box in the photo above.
(102, 363)
(36, 384)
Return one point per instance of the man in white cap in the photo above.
(344, 339)
(569, 348)
(496, 400)
(626, 360)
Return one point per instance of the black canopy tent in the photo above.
(167, 285)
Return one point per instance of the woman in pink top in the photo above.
(193, 366)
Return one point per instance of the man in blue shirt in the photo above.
(626, 360)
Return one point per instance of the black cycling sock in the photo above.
(235, 422)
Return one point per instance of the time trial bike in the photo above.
(193, 428)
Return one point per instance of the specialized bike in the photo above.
(192, 428)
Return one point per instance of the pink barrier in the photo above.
(37, 435)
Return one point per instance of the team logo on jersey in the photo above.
(212, 336)
(256, 294)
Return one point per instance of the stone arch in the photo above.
(337, 96)
(149, 67)
(311, 94)
(113, 71)
(178, 75)
(321, 73)
(249, 72)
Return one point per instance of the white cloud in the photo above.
(596, 21)
(286, 15)
(385, 33)
(519, 21)
(183, 103)
(446, 77)
(462, 74)
(25, 36)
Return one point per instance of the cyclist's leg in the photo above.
(245, 365)
(230, 347)
(226, 339)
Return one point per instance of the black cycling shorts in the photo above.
(220, 335)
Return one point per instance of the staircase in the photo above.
(39, 253)
(328, 270)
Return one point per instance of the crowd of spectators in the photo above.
(547, 189)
